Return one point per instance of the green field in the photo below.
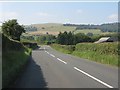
(106, 53)
(85, 31)
(55, 28)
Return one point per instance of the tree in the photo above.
(60, 38)
(90, 34)
(65, 38)
(81, 37)
(12, 29)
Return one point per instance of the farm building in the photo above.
(106, 39)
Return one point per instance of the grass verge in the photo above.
(94, 56)
(105, 53)
(12, 63)
(64, 48)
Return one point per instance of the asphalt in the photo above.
(49, 68)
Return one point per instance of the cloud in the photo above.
(113, 17)
(79, 11)
(8, 15)
(42, 14)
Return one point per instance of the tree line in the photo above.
(108, 27)
(68, 38)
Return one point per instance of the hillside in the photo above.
(51, 28)
(55, 28)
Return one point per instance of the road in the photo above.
(49, 68)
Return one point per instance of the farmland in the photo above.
(55, 28)
(51, 28)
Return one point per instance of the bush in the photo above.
(101, 48)
(106, 53)
(68, 49)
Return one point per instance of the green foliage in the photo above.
(103, 52)
(46, 39)
(30, 28)
(81, 37)
(68, 49)
(95, 56)
(90, 34)
(12, 63)
(9, 44)
(86, 31)
(101, 48)
(12, 29)
(68, 38)
(31, 45)
(106, 53)
(41, 39)
(14, 57)
(108, 27)
(27, 38)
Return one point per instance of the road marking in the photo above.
(44, 48)
(47, 52)
(61, 60)
(93, 77)
(52, 55)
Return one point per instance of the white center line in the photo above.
(52, 55)
(93, 77)
(61, 60)
(47, 52)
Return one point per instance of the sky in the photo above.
(59, 12)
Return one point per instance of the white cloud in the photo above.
(113, 17)
(8, 15)
(79, 11)
(42, 14)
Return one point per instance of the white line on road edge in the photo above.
(52, 55)
(93, 77)
(47, 52)
(44, 48)
(62, 61)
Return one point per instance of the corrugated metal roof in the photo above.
(103, 39)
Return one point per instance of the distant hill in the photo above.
(55, 28)
(51, 28)
(107, 27)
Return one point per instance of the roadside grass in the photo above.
(63, 48)
(97, 57)
(12, 63)
(105, 53)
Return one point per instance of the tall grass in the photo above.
(106, 53)
(12, 64)
(68, 49)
